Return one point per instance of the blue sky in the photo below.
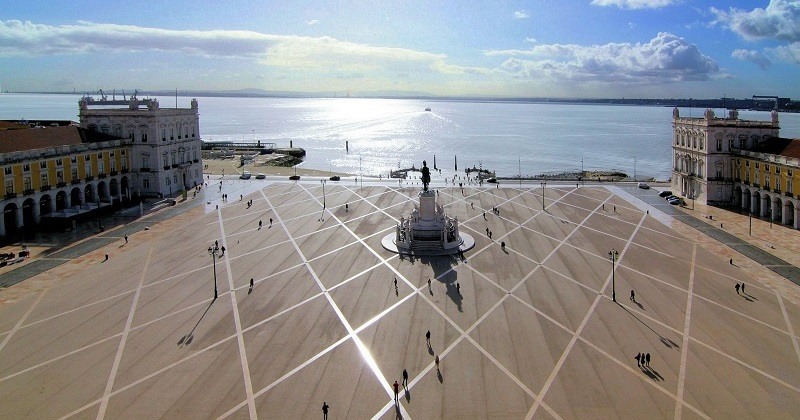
(533, 48)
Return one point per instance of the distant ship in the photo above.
(428, 109)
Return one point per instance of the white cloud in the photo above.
(521, 14)
(312, 22)
(665, 58)
(788, 53)
(779, 20)
(754, 57)
(531, 40)
(322, 53)
(634, 4)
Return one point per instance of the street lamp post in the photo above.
(322, 181)
(750, 213)
(543, 184)
(213, 252)
(613, 254)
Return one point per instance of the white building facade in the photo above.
(704, 151)
(164, 142)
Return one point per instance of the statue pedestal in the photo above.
(427, 205)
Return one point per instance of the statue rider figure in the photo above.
(426, 176)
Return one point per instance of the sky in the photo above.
(467, 48)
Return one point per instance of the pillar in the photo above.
(745, 200)
(67, 200)
(52, 204)
(36, 213)
(20, 219)
(764, 206)
(785, 219)
(775, 209)
(796, 216)
(2, 225)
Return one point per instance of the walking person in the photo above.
(742, 288)
(106, 258)
(251, 283)
(428, 338)
(396, 391)
(647, 359)
(737, 288)
(259, 225)
(638, 359)
(429, 283)
(633, 295)
(731, 261)
(270, 222)
(405, 379)
(126, 239)
(458, 288)
(325, 408)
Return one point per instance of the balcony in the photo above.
(88, 178)
(75, 181)
(61, 184)
(124, 170)
(195, 160)
(144, 170)
(777, 190)
(11, 195)
(113, 173)
(789, 194)
(29, 191)
(166, 167)
(102, 176)
(766, 188)
(44, 188)
(175, 165)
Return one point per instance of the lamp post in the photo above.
(213, 252)
(750, 214)
(543, 184)
(322, 181)
(613, 254)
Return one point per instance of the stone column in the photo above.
(36, 213)
(745, 195)
(786, 217)
(20, 219)
(764, 206)
(52, 205)
(774, 212)
(796, 216)
(67, 200)
(2, 224)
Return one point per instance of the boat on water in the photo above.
(428, 109)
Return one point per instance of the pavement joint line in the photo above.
(741, 314)
(747, 365)
(125, 332)
(57, 358)
(579, 330)
(149, 376)
(248, 382)
(288, 374)
(260, 249)
(685, 345)
(653, 383)
(789, 325)
(365, 354)
(21, 321)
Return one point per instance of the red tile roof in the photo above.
(42, 138)
(780, 146)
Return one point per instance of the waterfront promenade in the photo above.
(529, 331)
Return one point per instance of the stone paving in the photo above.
(526, 332)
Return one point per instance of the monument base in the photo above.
(466, 243)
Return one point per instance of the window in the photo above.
(172, 133)
(777, 170)
(165, 155)
(111, 153)
(145, 161)
(122, 152)
(757, 165)
(747, 176)
(73, 159)
(101, 167)
(74, 173)
(113, 165)
(26, 167)
(99, 156)
(43, 164)
(730, 144)
(701, 142)
(59, 162)
(747, 163)
(146, 184)
(719, 145)
(766, 181)
(7, 170)
(766, 168)
(694, 141)
(789, 173)
(789, 186)
(683, 140)
(59, 175)
(87, 158)
(45, 181)
(193, 132)
(173, 157)
(28, 183)
(163, 134)
(9, 186)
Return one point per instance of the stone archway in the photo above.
(755, 203)
(61, 200)
(28, 214)
(10, 218)
(75, 197)
(45, 204)
(89, 194)
(737, 197)
(102, 191)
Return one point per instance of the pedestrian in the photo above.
(251, 282)
(405, 379)
(106, 258)
(742, 287)
(638, 359)
(647, 358)
(484, 218)
(241, 197)
(633, 295)
(503, 245)
(615, 209)
(126, 239)
(731, 261)
(396, 391)
(270, 222)
(473, 205)
(737, 288)
(395, 282)
(216, 244)
(604, 206)
(458, 288)
(428, 338)
(259, 225)
(223, 250)
(429, 283)
(346, 207)
(325, 408)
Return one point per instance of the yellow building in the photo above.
(53, 174)
(767, 180)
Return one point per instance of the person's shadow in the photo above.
(638, 304)
(439, 375)
(651, 373)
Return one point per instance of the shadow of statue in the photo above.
(444, 272)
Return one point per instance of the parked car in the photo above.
(245, 175)
(670, 197)
(676, 201)
(665, 193)
(643, 186)
(261, 176)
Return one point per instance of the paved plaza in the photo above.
(529, 331)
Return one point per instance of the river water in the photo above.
(509, 138)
